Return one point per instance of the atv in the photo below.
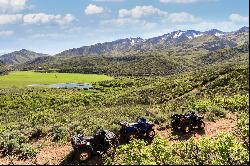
(195, 121)
(139, 129)
(86, 146)
(187, 122)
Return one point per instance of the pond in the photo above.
(66, 85)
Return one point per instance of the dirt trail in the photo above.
(55, 154)
(211, 129)
(50, 154)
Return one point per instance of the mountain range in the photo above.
(211, 40)
(139, 44)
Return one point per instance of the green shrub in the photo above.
(11, 146)
(225, 149)
(11, 142)
(37, 132)
(243, 128)
(41, 118)
(236, 103)
(28, 151)
(160, 118)
(202, 105)
(215, 113)
(60, 134)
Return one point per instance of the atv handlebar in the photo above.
(123, 123)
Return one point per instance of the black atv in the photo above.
(187, 122)
(86, 146)
(195, 121)
(176, 121)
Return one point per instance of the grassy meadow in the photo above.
(24, 78)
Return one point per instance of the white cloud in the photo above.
(135, 17)
(68, 18)
(93, 9)
(42, 18)
(140, 11)
(182, 17)
(6, 33)
(36, 18)
(185, 1)
(10, 19)
(238, 18)
(124, 12)
(12, 5)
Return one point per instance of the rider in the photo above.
(192, 116)
(100, 138)
(142, 124)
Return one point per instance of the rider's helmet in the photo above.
(142, 120)
(102, 132)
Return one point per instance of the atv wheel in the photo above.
(82, 155)
(129, 137)
(201, 126)
(150, 134)
(110, 151)
(174, 125)
(122, 133)
(115, 143)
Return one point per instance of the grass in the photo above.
(24, 78)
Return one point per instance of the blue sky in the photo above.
(51, 26)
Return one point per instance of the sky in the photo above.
(52, 26)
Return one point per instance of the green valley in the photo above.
(26, 78)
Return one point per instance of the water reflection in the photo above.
(66, 85)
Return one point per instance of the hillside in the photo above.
(163, 55)
(161, 63)
(19, 57)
